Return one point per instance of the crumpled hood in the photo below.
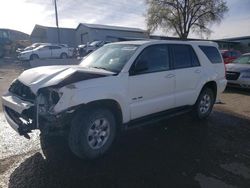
(234, 67)
(41, 77)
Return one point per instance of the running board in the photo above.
(154, 118)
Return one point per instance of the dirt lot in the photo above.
(177, 153)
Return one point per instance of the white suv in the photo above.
(120, 85)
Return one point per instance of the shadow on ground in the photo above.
(231, 90)
(169, 155)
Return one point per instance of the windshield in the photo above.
(243, 60)
(29, 48)
(112, 57)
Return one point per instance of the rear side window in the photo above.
(212, 54)
(235, 54)
(184, 56)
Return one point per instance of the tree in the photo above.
(183, 16)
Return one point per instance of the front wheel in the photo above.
(64, 56)
(34, 57)
(92, 133)
(204, 104)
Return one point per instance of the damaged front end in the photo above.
(48, 121)
(26, 111)
(31, 100)
(19, 108)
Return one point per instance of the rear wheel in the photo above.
(92, 133)
(204, 104)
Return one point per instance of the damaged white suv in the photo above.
(119, 86)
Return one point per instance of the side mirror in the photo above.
(140, 66)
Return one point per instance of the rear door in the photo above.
(188, 73)
(44, 52)
(151, 82)
(56, 51)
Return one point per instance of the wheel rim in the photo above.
(205, 104)
(64, 56)
(98, 133)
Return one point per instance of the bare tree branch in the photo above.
(183, 16)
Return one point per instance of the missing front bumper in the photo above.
(19, 114)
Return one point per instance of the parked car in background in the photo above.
(31, 47)
(230, 55)
(85, 49)
(117, 87)
(46, 51)
(238, 72)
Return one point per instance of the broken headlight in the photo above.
(47, 99)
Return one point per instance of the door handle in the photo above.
(170, 76)
(197, 71)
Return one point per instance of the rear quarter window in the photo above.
(212, 54)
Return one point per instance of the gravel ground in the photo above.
(178, 152)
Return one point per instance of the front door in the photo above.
(151, 82)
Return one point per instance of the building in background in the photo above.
(243, 43)
(11, 39)
(17, 35)
(223, 43)
(86, 33)
(46, 34)
(92, 32)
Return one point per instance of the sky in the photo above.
(22, 15)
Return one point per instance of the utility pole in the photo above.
(57, 26)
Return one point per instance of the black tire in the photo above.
(54, 147)
(203, 109)
(34, 57)
(82, 125)
(63, 56)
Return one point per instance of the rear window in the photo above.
(212, 54)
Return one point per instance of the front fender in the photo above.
(75, 96)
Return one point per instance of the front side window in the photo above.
(212, 54)
(152, 59)
(112, 57)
